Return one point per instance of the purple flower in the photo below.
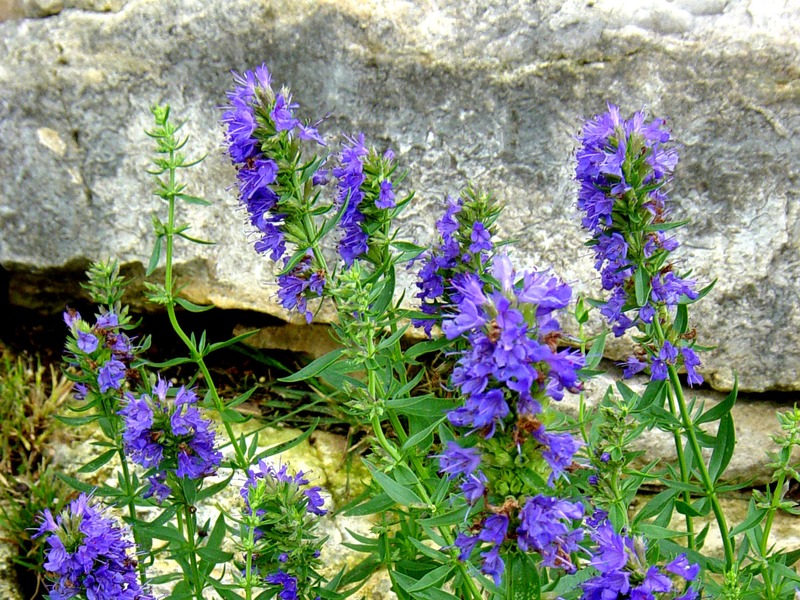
(474, 487)
(632, 366)
(682, 568)
(690, 361)
(282, 113)
(481, 239)
(612, 550)
(299, 285)
(287, 583)
(544, 528)
(87, 342)
(170, 435)
(386, 196)
(111, 375)
(494, 529)
(493, 565)
(466, 544)
(88, 555)
(456, 460)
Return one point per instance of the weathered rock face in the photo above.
(490, 92)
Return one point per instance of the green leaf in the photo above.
(754, 517)
(174, 362)
(211, 491)
(155, 257)
(522, 580)
(195, 240)
(723, 448)
(192, 307)
(687, 509)
(723, 408)
(595, 353)
(284, 446)
(424, 347)
(421, 435)
(655, 390)
(666, 226)
(570, 583)
(449, 518)
(700, 295)
(681, 323)
(379, 503)
(193, 200)
(397, 492)
(406, 583)
(431, 579)
(224, 344)
(654, 532)
(315, 367)
(162, 532)
(387, 292)
(657, 504)
(77, 421)
(98, 462)
(97, 490)
(641, 282)
(230, 415)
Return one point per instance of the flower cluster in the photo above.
(624, 571)
(102, 348)
(267, 472)
(262, 141)
(366, 193)
(88, 556)
(279, 517)
(510, 370)
(622, 167)
(465, 245)
(170, 435)
(512, 336)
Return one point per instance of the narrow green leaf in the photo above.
(641, 282)
(723, 408)
(77, 421)
(284, 446)
(431, 579)
(421, 435)
(315, 367)
(687, 509)
(192, 307)
(195, 240)
(230, 415)
(163, 532)
(654, 391)
(209, 492)
(379, 503)
(595, 353)
(654, 532)
(700, 295)
(421, 348)
(723, 448)
(387, 292)
(193, 200)
(98, 462)
(681, 323)
(397, 492)
(224, 344)
(752, 520)
(666, 226)
(155, 257)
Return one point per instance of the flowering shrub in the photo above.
(479, 486)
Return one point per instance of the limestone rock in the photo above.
(489, 91)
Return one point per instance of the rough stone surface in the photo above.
(489, 91)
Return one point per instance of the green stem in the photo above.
(173, 319)
(248, 569)
(126, 475)
(191, 534)
(685, 471)
(773, 507)
(691, 434)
